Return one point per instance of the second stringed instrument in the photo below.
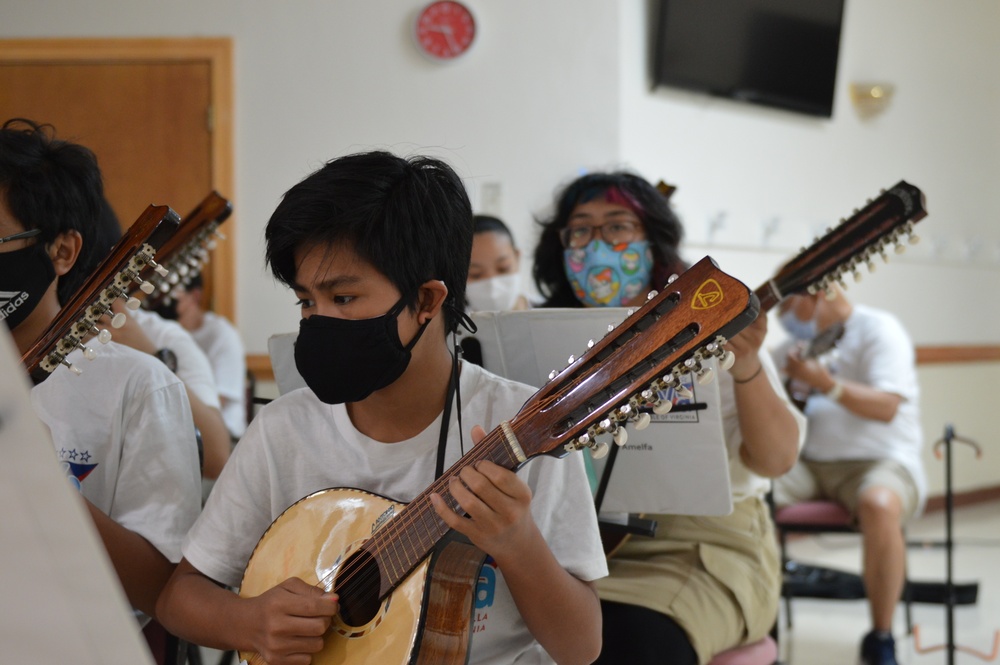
(185, 254)
(116, 277)
(857, 241)
(405, 583)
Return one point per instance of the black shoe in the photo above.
(878, 648)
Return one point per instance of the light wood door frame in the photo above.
(218, 53)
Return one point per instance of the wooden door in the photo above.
(151, 110)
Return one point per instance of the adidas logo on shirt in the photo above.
(10, 301)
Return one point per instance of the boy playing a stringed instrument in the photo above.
(376, 248)
(123, 430)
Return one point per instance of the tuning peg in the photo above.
(620, 436)
(900, 248)
(705, 375)
(173, 278)
(662, 406)
(913, 238)
(183, 269)
(73, 368)
(103, 334)
(133, 303)
(727, 359)
(146, 287)
(672, 278)
(599, 450)
(590, 343)
(571, 360)
(652, 294)
(611, 327)
(605, 425)
(642, 422)
(553, 374)
(684, 391)
(160, 270)
(118, 320)
(88, 352)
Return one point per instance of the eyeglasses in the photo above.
(19, 236)
(613, 233)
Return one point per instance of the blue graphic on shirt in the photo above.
(485, 593)
(76, 471)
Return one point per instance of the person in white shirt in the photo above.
(864, 443)
(222, 345)
(376, 247)
(123, 430)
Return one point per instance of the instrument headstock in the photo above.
(885, 221)
(186, 252)
(620, 378)
(118, 275)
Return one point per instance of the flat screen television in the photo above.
(780, 53)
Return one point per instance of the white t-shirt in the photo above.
(223, 346)
(297, 445)
(125, 437)
(744, 482)
(876, 351)
(193, 367)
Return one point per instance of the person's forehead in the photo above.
(318, 262)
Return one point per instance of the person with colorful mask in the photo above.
(863, 448)
(123, 430)
(494, 278)
(701, 585)
(376, 248)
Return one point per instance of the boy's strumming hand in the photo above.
(292, 619)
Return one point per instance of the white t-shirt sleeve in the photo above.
(158, 493)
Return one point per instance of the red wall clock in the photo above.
(445, 29)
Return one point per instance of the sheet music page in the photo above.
(676, 465)
(59, 597)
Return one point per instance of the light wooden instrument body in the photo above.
(426, 619)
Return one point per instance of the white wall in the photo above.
(755, 164)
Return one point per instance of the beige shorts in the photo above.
(844, 481)
(719, 578)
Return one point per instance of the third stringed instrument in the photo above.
(884, 222)
(405, 582)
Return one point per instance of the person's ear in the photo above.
(65, 250)
(430, 299)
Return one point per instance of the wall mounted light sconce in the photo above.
(871, 99)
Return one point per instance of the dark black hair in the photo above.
(55, 186)
(663, 230)
(490, 224)
(410, 218)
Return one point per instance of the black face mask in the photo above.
(25, 275)
(346, 360)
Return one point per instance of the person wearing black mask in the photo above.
(122, 430)
(377, 248)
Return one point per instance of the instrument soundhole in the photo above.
(358, 584)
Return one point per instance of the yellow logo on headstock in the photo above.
(708, 295)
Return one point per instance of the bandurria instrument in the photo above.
(404, 579)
